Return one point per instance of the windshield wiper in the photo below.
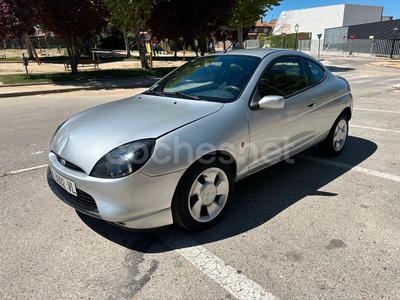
(186, 95)
(151, 92)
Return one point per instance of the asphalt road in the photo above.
(316, 229)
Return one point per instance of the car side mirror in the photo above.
(272, 102)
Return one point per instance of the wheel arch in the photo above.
(224, 156)
(219, 156)
(347, 113)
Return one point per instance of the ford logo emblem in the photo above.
(62, 161)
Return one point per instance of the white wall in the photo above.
(317, 19)
(313, 20)
(361, 14)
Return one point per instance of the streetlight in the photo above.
(296, 28)
(394, 39)
(283, 34)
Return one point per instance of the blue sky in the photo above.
(390, 7)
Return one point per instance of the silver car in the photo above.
(173, 153)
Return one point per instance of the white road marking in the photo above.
(374, 100)
(351, 75)
(28, 169)
(353, 168)
(238, 285)
(379, 110)
(392, 79)
(38, 152)
(374, 128)
(356, 76)
(360, 81)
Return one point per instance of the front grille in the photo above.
(85, 199)
(83, 202)
(68, 164)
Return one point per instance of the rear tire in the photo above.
(336, 140)
(202, 196)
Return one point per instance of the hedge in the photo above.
(276, 41)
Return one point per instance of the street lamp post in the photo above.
(394, 39)
(319, 43)
(296, 28)
(283, 34)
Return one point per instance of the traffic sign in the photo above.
(352, 36)
(319, 35)
(344, 37)
(300, 37)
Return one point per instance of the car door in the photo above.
(278, 133)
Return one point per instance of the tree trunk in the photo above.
(74, 52)
(175, 49)
(72, 60)
(240, 36)
(195, 49)
(128, 49)
(203, 45)
(28, 47)
(142, 54)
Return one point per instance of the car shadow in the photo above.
(257, 199)
(339, 69)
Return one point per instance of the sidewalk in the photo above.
(388, 64)
(36, 89)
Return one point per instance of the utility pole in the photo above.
(319, 43)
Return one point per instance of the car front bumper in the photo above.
(137, 201)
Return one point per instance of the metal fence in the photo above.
(372, 46)
(304, 45)
(252, 44)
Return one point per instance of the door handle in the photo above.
(311, 104)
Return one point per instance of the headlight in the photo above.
(124, 160)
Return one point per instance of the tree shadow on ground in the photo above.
(257, 199)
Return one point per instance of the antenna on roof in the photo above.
(236, 40)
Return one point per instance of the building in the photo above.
(374, 38)
(260, 27)
(316, 20)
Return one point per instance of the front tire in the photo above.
(336, 140)
(202, 196)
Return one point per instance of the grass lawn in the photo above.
(84, 75)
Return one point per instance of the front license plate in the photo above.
(65, 183)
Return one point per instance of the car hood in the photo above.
(89, 135)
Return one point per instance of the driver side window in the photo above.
(284, 77)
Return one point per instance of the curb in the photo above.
(385, 66)
(86, 81)
(53, 91)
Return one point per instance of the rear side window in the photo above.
(285, 76)
(316, 72)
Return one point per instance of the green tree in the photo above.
(130, 14)
(70, 20)
(119, 20)
(246, 13)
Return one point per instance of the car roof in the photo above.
(258, 52)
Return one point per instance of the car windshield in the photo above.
(213, 78)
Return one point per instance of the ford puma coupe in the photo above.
(173, 153)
